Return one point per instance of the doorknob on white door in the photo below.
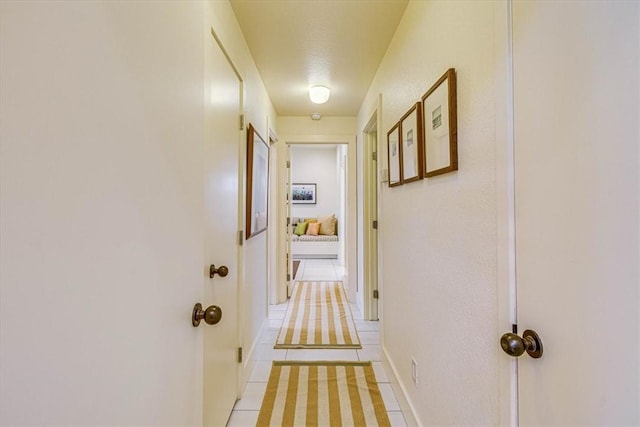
(221, 271)
(515, 346)
(211, 315)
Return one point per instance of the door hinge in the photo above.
(375, 224)
(239, 354)
(288, 164)
(288, 277)
(240, 237)
(241, 121)
(374, 156)
(376, 295)
(288, 220)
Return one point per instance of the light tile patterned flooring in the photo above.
(245, 413)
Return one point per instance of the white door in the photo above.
(222, 188)
(370, 246)
(289, 255)
(576, 91)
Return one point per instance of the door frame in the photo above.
(272, 239)
(240, 377)
(350, 256)
(505, 208)
(370, 193)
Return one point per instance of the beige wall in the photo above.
(101, 215)
(326, 126)
(102, 204)
(438, 235)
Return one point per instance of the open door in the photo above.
(222, 216)
(288, 255)
(576, 137)
(370, 226)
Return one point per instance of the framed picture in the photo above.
(440, 124)
(411, 142)
(257, 183)
(303, 194)
(394, 154)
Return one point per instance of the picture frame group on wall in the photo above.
(303, 194)
(424, 142)
(257, 183)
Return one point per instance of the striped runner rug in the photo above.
(318, 316)
(322, 394)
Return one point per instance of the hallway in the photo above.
(246, 410)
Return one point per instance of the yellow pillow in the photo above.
(310, 220)
(328, 225)
(313, 229)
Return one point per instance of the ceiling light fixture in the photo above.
(319, 94)
(315, 116)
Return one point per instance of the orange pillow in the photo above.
(313, 228)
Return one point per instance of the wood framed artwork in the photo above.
(394, 155)
(440, 125)
(411, 143)
(303, 194)
(257, 183)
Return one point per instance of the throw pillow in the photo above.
(313, 229)
(328, 225)
(310, 220)
(301, 228)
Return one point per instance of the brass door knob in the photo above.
(211, 315)
(221, 271)
(515, 346)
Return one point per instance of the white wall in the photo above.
(317, 165)
(259, 112)
(438, 235)
(342, 161)
(101, 215)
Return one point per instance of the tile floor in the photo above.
(245, 413)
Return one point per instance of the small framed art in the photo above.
(411, 142)
(440, 125)
(257, 183)
(303, 194)
(394, 154)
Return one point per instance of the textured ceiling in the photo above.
(301, 43)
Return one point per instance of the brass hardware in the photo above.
(515, 346)
(211, 315)
(221, 271)
(376, 294)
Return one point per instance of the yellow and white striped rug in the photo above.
(322, 394)
(318, 316)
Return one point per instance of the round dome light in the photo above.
(319, 94)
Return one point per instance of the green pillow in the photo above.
(301, 228)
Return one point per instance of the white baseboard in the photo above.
(400, 390)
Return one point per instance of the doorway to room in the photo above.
(316, 206)
(345, 211)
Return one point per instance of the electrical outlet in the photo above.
(414, 371)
